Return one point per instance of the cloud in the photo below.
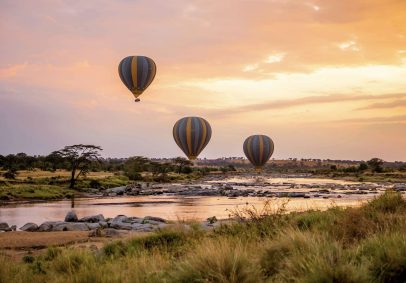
(275, 58)
(310, 100)
(12, 71)
(349, 45)
(373, 120)
(385, 105)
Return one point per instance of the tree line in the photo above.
(80, 159)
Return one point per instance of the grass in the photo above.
(365, 244)
(33, 191)
(44, 185)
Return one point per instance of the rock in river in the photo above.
(4, 226)
(93, 219)
(153, 218)
(48, 225)
(69, 226)
(29, 227)
(71, 217)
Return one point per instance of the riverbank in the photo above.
(34, 186)
(365, 244)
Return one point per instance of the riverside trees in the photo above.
(80, 157)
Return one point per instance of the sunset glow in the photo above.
(323, 79)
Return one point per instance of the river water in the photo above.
(173, 207)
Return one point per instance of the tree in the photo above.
(362, 166)
(134, 166)
(80, 157)
(10, 174)
(376, 165)
(181, 162)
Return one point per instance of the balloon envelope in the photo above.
(258, 149)
(137, 73)
(192, 134)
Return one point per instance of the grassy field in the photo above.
(365, 244)
(33, 192)
(396, 177)
(38, 174)
(46, 185)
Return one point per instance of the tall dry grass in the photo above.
(366, 244)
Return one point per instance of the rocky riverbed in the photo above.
(101, 226)
(254, 189)
(196, 200)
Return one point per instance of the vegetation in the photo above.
(79, 157)
(365, 244)
(33, 192)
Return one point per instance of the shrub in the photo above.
(10, 174)
(305, 257)
(168, 239)
(389, 202)
(95, 184)
(352, 226)
(386, 255)
(134, 176)
(217, 261)
(28, 259)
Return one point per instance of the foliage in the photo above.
(376, 165)
(365, 244)
(80, 157)
(10, 174)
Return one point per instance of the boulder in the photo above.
(29, 227)
(93, 219)
(158, 219)
(118, 190)
(71, 217)
(119, 218)
(13, 227)
(69, 226)
(4, 226)
(103, 224)
(48, 226)
(143, 227)
(121, 225)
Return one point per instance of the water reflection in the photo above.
(169, 207)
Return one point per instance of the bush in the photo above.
(134, 176)
(352, 226)
(386, 257)
(217, 261)
(389, 202)
(306, 257)
(95, 184)
(164, 239)
(10, 174)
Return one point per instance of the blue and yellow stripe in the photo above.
(192, 134)
(258, 149)
(137, 73)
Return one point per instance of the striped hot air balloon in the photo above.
(258, 149)
(137, 73)
(192, 134)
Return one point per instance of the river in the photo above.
(177, 207)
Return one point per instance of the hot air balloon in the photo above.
(258, 149)
(137, 73)
(192, 134)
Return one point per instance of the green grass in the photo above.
(365, 244)
(33, 191)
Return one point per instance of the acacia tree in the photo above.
(376, 165)
(181, 162)
(79, 157)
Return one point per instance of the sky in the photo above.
(323, 79)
